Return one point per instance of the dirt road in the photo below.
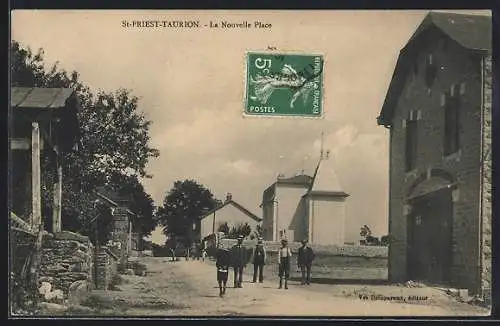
(188, 288)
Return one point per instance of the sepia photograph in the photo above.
(250, 163)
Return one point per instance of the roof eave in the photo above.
(328, 193)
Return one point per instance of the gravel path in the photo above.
(189, 288)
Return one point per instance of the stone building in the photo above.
(123, 219)
(305, 207)
(438, 112)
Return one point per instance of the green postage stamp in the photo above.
(281, 84)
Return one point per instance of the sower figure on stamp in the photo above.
(223, 260)
(305, 258)
(284, 257)
(239, 261)
(259, 256)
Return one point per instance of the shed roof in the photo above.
(472, 32)
(60, 103)
(40, 98)
(111, 198)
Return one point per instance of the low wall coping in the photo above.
(67, 235)
(344, 251)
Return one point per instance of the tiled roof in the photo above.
(35, 97)
(473, 32)
(325, 180)
(235, 204)
(110, 197)
(60, 102)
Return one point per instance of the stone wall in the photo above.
(368, 261)
(67, 258)
(346, 250)
(106, 268)
(486, 185)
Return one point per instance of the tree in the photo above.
(372, 241)
(243, 229)
(182, 206)
(114, 140)
(257, 233)
(365, 231)
(384, 240)
(224, 228)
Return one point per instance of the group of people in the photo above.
(236, 257)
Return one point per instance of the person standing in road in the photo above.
(259, 256)
(222, 262)
(305, 258)
(284, 258)
(239, 261)
(203, 254)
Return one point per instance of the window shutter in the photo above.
(443, 99)
(462, 88)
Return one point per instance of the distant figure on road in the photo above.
(259, 256)
(223, 260)
(284, 258)
(305, 258)
(239, 261)
(203, 254)
(172, 251)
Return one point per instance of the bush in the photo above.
(116, 280)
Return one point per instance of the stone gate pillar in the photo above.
(121, 234)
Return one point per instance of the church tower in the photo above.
(326, 204)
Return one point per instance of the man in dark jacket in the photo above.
(305, 258)
(258, 260)
(239, 261)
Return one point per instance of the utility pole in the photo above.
(322, 141)
(213, 224)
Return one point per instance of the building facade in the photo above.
(438, 112)
(229, 212)
(305, 207)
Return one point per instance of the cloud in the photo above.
(241, 166)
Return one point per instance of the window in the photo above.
(451, 142)
(411, 144)
(430, 71)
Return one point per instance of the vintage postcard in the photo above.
(250, 163)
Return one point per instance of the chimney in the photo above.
(229, 197)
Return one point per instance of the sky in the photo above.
(191, 85)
